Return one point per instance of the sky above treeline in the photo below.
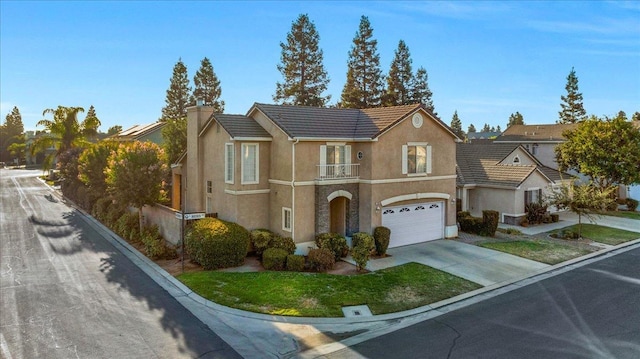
(485, 60)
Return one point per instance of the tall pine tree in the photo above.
(486, 128)
(178, 94)
(572, 109)
(420, 92)
(471, 129)
(456, 125)
(207, 87)
(11, 132)
(93, 123)
(515, 119)
(400, 78)
(364, 87)
(305, 78)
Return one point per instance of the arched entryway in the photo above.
(338, 214)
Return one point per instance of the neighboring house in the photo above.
(482, 135)
(151, 132)
(300, 171)
(503, 177)
(539, 140)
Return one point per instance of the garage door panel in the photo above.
(414, 223)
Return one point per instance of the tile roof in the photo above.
(478, 163)
(538, 133)
(240, 126)
(318, 122)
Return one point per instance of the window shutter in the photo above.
(323, 161)
(404, 160)
(428, 158)
(347, 160)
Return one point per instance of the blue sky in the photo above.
(484, 59)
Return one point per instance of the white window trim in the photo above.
(242, 147)
(208, 185)
(286, 210)
(228, 173)
(405, 162)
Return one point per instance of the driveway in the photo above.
(481, 265)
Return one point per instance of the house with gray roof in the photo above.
(150, 132)
(300, 171)
(504, 177)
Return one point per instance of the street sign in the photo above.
(196, 215)
(187, 216)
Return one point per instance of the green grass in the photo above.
(323, 295)
(624, 214)
(538, 250)
(602, 234)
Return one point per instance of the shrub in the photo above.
(214, 243)
(555, 218)
(381, 237)
(362, 250)
(632, 204)
(524, 222)
(274, 258)
(463, 214)
(154, 245)
(536, 212)
(490, 221)
(357, 237)
(128, 226)
(285, 243)
(321, 259)
(295, 263)
(334, 242)
(260, 239)
(471, 224)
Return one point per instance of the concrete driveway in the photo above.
(481, 265)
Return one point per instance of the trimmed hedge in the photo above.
(362, 249)
(485, 226)
(334, 242)
(274, 258)
(295, 263)
(260, 239)
(214, 243)
(321, 259)
(632, 204)
(285, 243)
(381, 237)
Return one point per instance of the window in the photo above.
(532, 196)
(416, 158)
(249, 163)
(534, 149)
(516, 160)
(335, 160)
(286, 219)
(209, 205)
(228, 163)
(209, 187)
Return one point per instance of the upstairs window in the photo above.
(228, 163)
(416, 158)
(250, 163)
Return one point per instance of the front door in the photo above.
(338, 215)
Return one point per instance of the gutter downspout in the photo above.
(293, 189)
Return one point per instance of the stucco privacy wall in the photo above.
(165, 218)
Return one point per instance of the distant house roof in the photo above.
(479, 163)
(137, 131)
(535, 133)
(482, 135)
(343, 123)
(238, 126)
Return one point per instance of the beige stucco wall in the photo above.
(523, 156)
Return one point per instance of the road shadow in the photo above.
(193, 338)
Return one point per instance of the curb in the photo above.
(178, 289)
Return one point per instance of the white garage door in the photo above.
(414, 223)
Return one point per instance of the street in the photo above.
(67, 293)
(589, 312)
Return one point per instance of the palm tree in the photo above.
(64, 132)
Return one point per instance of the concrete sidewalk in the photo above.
(570, 218)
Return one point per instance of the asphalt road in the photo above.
(67, 293)
(589, 312)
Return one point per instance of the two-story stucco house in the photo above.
(299, 171)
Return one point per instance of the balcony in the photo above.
(337, 171)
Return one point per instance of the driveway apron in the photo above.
(481, 265)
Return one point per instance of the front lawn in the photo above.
(539, 250)
(606, 235)
(323, 295)
(624, 214)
